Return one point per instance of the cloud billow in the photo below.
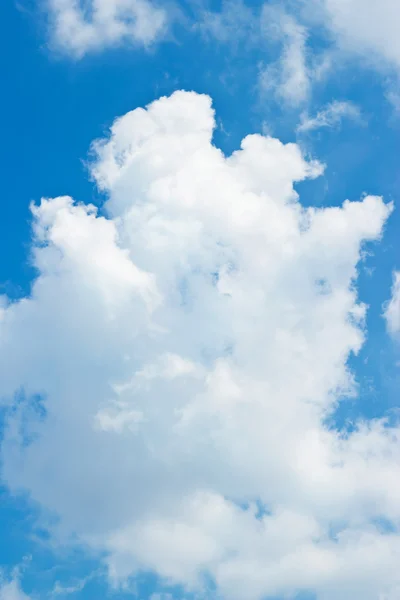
(188, 349)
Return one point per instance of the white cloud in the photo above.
(78, 27)
(10, 589)
(216, 308)
(270, 29)
(289, 77)
(330, 116)
(366, 27)
(392, 310)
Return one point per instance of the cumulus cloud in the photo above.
(78, 27)
(177, 361)
(392, 310)
(329, 116)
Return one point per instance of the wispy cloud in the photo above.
(392, 309)
(330, 116)
(289, 77)
(365, 27)
(235, 22)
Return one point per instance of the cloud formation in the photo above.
(78, 28)
(365, 27)
(10, 589)
(288, 66)
(289, 77)
(329, 116)
(177, 361)
(348, 30)
(392, 310)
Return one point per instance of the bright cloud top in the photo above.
(178, 361)
(78, 28)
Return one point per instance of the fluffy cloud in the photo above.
(177, 360)
(392, 310)
(329, 116)
(78, 28)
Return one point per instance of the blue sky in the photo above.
(56, 101)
